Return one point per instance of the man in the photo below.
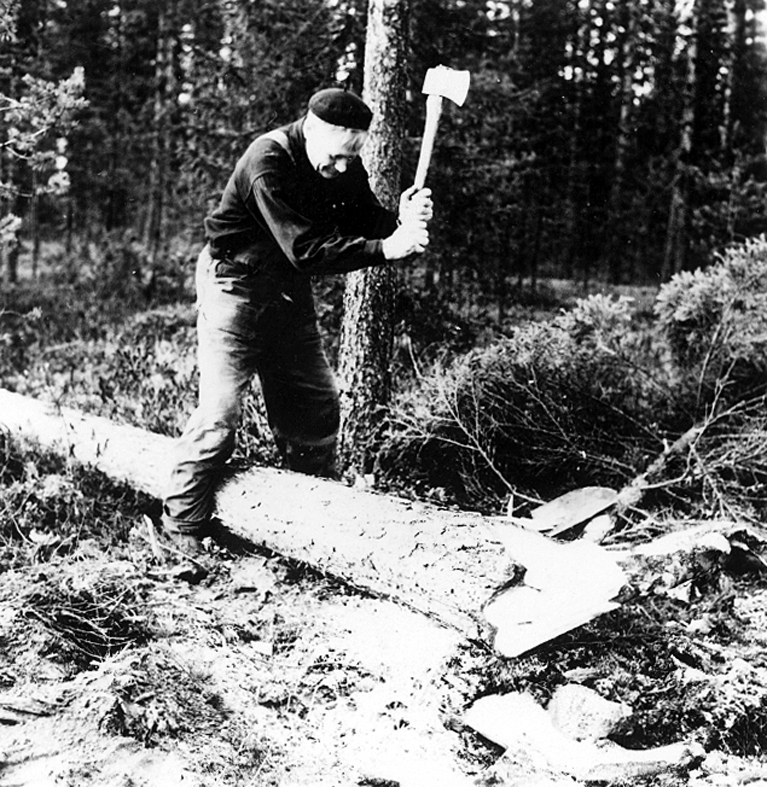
(298, 204)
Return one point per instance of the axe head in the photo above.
(448, 83)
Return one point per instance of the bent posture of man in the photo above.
(298, 204)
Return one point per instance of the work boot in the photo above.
(187, 555)
(182, 553)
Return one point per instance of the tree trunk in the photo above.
(118, 139)
(9, 200)
(614, 251)
(159, 166)
(575, 175)
(12, 262)
(34, 225)
(675, 253)
(732, 111)
(367, 330)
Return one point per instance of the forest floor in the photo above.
(265, 673)
(113, 675)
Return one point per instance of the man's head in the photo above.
(335, 130)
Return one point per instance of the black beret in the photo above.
(341, 108)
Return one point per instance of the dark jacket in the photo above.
(283, 213)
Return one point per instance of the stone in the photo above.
(584, 715)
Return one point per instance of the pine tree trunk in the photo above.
(367, 330)
(34, 225)
(118, 139)
(9, 200)
(677, 230)
(737, 12)
(575, 175)
(158, 171)
(614, 251)
(737, 15)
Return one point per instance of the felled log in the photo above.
(124, 453)
(452, 566)
(443, 563)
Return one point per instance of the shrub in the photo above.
(715, 322)
(92, 614)
(118, 267)
(50, 505)
(156, 695)
(142, 372)
(555, 405)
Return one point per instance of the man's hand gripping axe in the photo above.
(440, 82)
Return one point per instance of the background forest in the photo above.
(592, 310)
(614, 141)
(603, 143)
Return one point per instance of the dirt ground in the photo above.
(260, 675)
(266, 673)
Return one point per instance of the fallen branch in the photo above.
(633, 492)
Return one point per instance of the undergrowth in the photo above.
(90, 615)
(49, 506)
(554, 405)
(156, 695)
(595, 395)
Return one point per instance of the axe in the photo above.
(440, 82)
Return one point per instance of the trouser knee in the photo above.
(208, 444)
(200, 455)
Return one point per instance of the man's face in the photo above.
(331, 154)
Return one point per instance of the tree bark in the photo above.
(9, 199)
(615, 253)
(675, 253)
(118, 138)
(34, 225)
(367, 329)
(159, 166)
(580, 41)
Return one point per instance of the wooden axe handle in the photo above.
(433, 111)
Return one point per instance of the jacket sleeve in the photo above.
(311, 246)
(348, 238)
(368, 216)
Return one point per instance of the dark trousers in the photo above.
(251, 324)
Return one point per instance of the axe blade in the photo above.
(447, 83)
